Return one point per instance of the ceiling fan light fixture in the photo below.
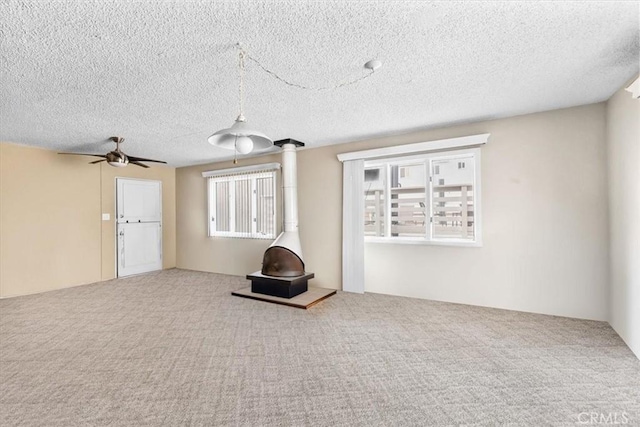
(118, 164)
(117, 158)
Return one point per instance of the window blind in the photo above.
(242, 202)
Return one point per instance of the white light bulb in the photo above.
(244, 144)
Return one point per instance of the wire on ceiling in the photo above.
(273, 74)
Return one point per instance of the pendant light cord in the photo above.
(243, 54)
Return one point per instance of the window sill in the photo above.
(420, 241)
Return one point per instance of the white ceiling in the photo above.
(163, 74)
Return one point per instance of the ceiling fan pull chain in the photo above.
(235, 151)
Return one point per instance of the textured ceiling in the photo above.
(163, 74)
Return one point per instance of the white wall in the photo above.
(623, 143)
(545, 223)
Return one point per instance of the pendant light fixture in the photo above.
(240, 137)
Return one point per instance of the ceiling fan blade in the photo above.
(142, 159)
(137, 163)
(97, 161)
(85, 154)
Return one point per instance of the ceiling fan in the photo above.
(117, 158)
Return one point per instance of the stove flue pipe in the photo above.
(290, 187)
(284, 256)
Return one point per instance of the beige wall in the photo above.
(49, 219)
(197, 251)
(545, 237)
(545, 223)
(51, 233)
(623, 139)
(320, 212)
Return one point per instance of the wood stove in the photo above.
(283, 273)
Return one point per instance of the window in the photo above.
(242, 204)
(431, 198)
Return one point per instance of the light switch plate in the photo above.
(106, 217)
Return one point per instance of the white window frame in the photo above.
(252, 173)
(427, 159)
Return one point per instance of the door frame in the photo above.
(115, 222)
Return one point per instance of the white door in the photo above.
(138, 200)
(139, 248)
(139, 226)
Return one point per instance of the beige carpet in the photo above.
(175, 348)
